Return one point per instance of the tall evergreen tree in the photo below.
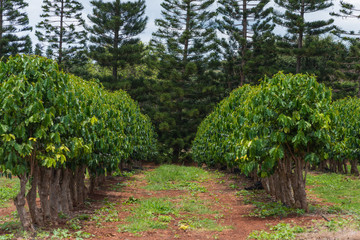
(184, 42)
(13, 20)
(350, 65)
(62, 29)
(293, 19)
(247, 24)
(347, 10)
(185, 30)
(114, 32)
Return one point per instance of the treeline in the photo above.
(201, 51)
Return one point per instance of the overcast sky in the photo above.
(153, 11)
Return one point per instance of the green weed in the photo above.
(282, 231)
(7, 237)
(61, 233)
(125, 174)
(131, 200)
(106, 214)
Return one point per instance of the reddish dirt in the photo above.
(221, 197)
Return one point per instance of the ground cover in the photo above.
(178, 202)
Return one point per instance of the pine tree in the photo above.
(351, 64)
(298, 28)
(185, 44)
(113, 33)
(62, 29)
(347, 10)
(185, 30)
(13, 21)
(247, 25)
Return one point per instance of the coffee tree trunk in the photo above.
(20, 202)
(55, 194)
(287, 184)
(31, 196)
(354, 168)
(65, 199)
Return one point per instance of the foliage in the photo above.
(346, 134)
(13, 20)
(224, 136)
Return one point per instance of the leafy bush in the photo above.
(273, 130)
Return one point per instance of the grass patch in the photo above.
(264, 206)
(167, 177)
(194, 206)
(9, 188)
(152, 213)
(283, 231)
(342, 190)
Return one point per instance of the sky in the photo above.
(153, 11)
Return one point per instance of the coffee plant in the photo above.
(54, 126)
(273, 131)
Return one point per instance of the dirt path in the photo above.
(220, 197)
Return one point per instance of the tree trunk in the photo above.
(1, 27)
(55, 194)
(300, 39)
(93, 182)
(244, 43)
(287, 184)
(31, 196)
(61, 32)
(65, 200)
(354, 168)
(80, 185)
(20, 202)
(73, 188)
(44, 192)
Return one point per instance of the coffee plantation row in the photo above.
(54, 127)
(278, 130)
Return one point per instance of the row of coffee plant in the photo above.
(278, 130)
(54, 126)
